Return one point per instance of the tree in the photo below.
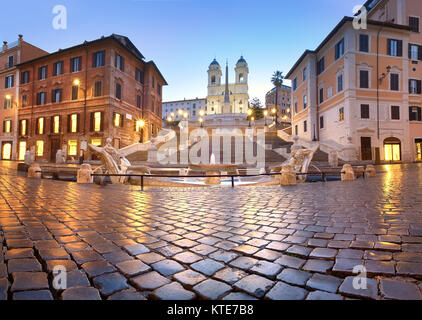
(277, 80)
(257, 108)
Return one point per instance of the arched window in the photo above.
(241, 77)
(213, 79)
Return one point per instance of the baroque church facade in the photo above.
(232, 98)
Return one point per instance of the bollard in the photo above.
(347, 173)
(34, 171)
(288, 176)
(85, 174)
(370, 171)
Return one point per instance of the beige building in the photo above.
(283, 102)
(359, 92)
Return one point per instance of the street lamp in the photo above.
(265, 116)
(274, 112)
(9, 98)
(186, 115)
(77, 83)
(140, 125)
(249, 116)
(201, 121)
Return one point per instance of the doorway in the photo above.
(418, 149)
(55, 146)
(392, 150)
(22, 150)
(366, 148)
(6, 151)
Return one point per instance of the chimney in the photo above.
(4, 45)
(20, 38)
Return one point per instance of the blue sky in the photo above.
(184, 36)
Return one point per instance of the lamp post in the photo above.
(77, 83)
(140, 125)
(249, 116)
(9, 98)
(265, 116)
(274, 113)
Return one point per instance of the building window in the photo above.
(98, 59)
(56, 95)
(159, 90)
(72, 147)
(341, 114)
(395, 47)
(321, 95)
(339, 83)
(42, 73)
(329, 92)
(364, 111)
(321, 66)
(414, 86)
(395, 112)
(41, 98)
(25, 77)
(296, 109)
(40, 148)
(22, 150)
(56, 125)
(23, 127)
(294, 84)
(9, 81)
(118, 120)
(58, 68)
(321, 122)
(73, 123)
(339, 49)
(97, 142)
(138, 101)
(7, 126)
(97, 121)
(98, 89)
(8, 103)
(415, 114)
(305, 100)
(139, 76)
(364, 79)
(414, 24)
(24, 101)
(305, 126)
(75, 92)
(76, 64)
(304, 74)
(40, 125)
(363, 43)
(296, 130)
(10, 62)
(118, 91)
(415, 52)
(394, 82)
(120, 62)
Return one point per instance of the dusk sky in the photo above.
(184, 36)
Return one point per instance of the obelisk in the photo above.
(227, 107)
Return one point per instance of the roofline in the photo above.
(86, 43)
(158, 71)
(283, 86)
(336, 29)
(174, 101)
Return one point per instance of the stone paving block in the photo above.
(23, 265)
(207, 266)
(244, 263)
(4, 287)
(230, 275)
(167, 267)
(246, 249)
(189, 278)
(293, 276)
(3, 270)
(411, 269)
(173, 291)
(371, 291)
(267, 254)
(299, 251)
(203, 249)
(317, 243)
(96, 268)
(187, 257)
(117, 257)
(408, 256)
(223, 256)
(387, 246)
(133, 268)
(169, 250)
(321, 295)
(211, 289)
(378, 255)
(136, 249)
(149, 281)
(77, 278)
(399, 290)
(77, 246)
(321, 266)
(19, 253)
(23, 281)
(278, 246)
(290, 262)
(127, 295)
(374, 267)
(238, 296)
(226, 245)
(283, 291)
(110, 283)
(266, 269)
(18, 243)
(82, 257)
(350, 254)
(37, 295)
(69, 265)
(323, 253)
(366, 245)
(344, 266)
(53, 254)
(185, 243)
(81, 293)
(254, 285)
(338, 244)
(324, 282)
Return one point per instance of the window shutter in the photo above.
(400, 48)
(68, 123)
(389, 47)
(123, 64)
(419, 114)
(53, 96)
(102, 121)
(122, 121)
(4, 126)
(94, 60)
(78, 122)
(419, 52)
(418, 86)
(91, 121)
(13, 80)
(80, 64)
(410, 51)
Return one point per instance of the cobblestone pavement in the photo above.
(244, 243)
